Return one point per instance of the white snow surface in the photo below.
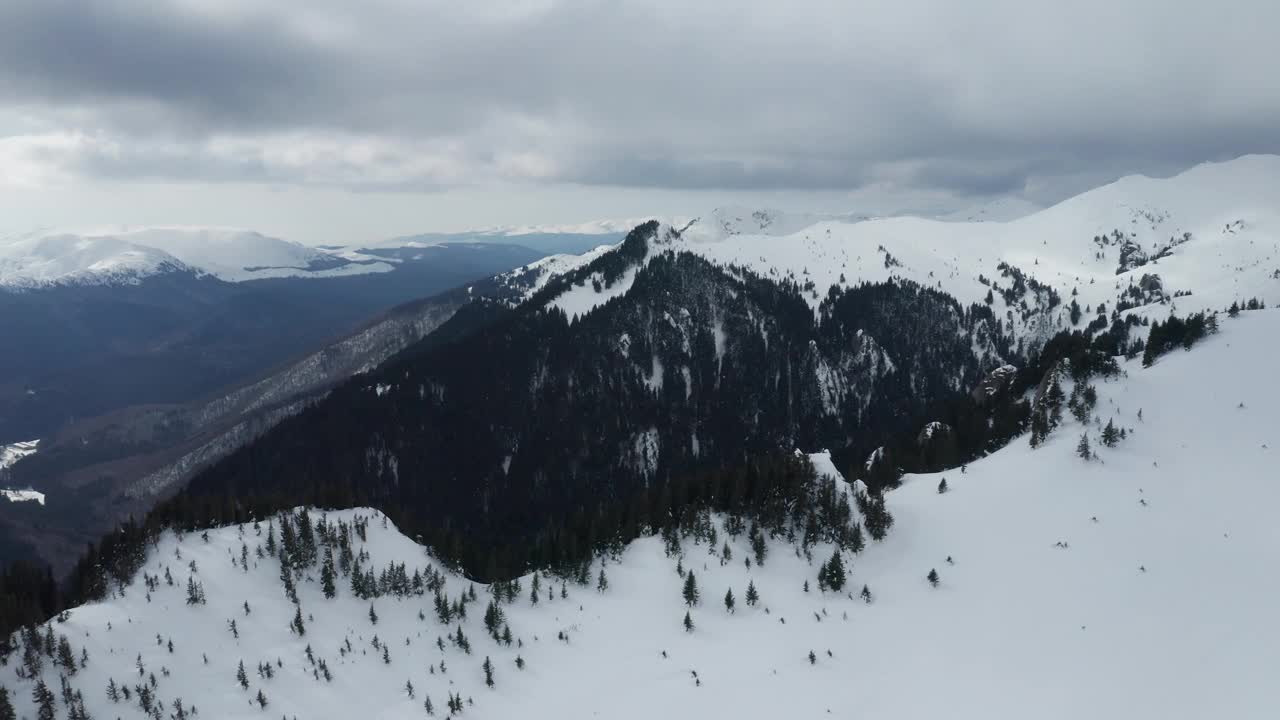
(22, 495)
(1231, 209)
(1157, 610)
(13, 452)
(127, 255)
(540, 272)
(582, 299)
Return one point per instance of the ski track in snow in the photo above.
(1019, 626)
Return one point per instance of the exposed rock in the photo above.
(994, 383)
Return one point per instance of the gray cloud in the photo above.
(972, 99)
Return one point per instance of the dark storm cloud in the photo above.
(74, 53)
(976, 98)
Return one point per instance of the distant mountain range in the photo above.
(139, 356)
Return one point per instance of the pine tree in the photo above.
(833, 572)
(1110, 435)
(602, 583)
(758, 546)
(876, 515)
(519, 662)
(66, 657)
(942, 486)
(1082, 448)
(753, 596)
(373, 616)
(297, 625)
(1053, 401)
(327, 576)
(44, 699)
(728, 600)
(813, 659)
(195, 591)
(866, 594)
(488, 671)
(688, 622)
(113, 691)
(408, 688)
(6, 705)
(261, 699)
(241, 677)
(690, 592)
(426, 705)
(1039, 428)
(933, 578)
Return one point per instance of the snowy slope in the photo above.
(1196, 241)
(1162, 608)
(129, 255)
(13, 452)
(534, 276)
(1230, 210)
(52, 259)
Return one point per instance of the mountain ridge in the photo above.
(1096, 568)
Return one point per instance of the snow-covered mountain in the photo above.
(13, 452)
(106, 257)
(1129, 585)
(74, 259)
(1199, 240)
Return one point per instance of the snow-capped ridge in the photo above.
(1207, 237)
(128, 255)
(13, 452)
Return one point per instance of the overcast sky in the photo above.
(345, 120)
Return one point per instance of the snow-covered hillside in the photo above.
(1151, 246)
(1134, 585)
(73, 259)
(13, 452)
(129, 255)
(534, 276)
(1213, 231)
